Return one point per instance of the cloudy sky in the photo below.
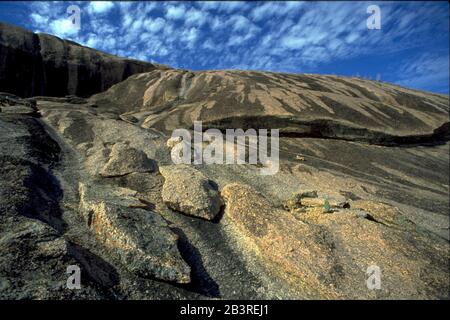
(410, 49)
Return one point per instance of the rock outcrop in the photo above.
(44, 65)
(142, 239)
(363, 182)
(314, 106)
(10, 103)
(34, 252)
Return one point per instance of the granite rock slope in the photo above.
(300, 105)
(363, 180)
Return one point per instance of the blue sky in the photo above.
(410, 49)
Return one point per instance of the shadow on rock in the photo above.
(201, 281)
(97, 269)
(44, 196)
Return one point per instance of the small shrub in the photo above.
(326, 206)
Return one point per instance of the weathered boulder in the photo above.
(310, 198)
(189, 191)
(142, 239)
(172, 142)
(125, 160)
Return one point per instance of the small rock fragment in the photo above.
(125, 160)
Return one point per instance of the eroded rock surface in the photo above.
(141, 238)
(299, 105)
(89, 181)
(322, 255)
(34, 252)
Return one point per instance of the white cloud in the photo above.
(109, 43)
(425, 71)
(195, 17)
(175, 12)
(236, 40)
(92, 41)
(269, 9)
(127, 20)
(100, 6)
(291, 42)
(223, 6)
(352, 37)
(154, 25)
(38, 19)
(239, 22)
(217, 23)
(136, 26)
(334, 44)
(264, 11)
(209, 45)
(63, 27)
(190, 36)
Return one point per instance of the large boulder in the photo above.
(189, 191)
(141, 239)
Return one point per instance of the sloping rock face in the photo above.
(363, 181)
(322, 255)
(298, 105)
(44, 65)
(48, 224)
(378, 153)
(10, 103)
(139, 231)
(35, 254)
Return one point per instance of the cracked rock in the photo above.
(142, 239)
